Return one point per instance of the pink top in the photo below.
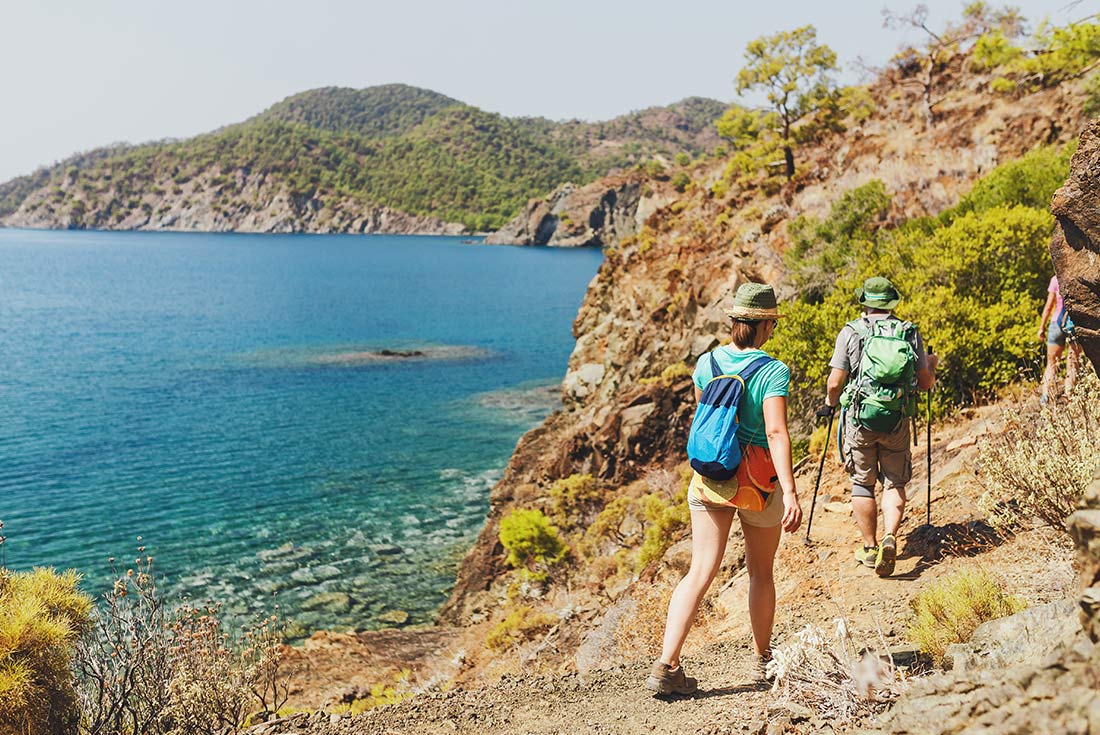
(1053, 288)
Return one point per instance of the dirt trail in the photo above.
(816, 583)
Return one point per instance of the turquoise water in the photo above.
(226, 398)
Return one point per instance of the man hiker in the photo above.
(878, 365)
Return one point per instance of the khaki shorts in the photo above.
(772, 515)
(871, 455)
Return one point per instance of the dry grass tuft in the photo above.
(1041, 463)
(831, 675)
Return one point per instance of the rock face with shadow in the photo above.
(1034, 672)
(1075, 247)
(597, 215)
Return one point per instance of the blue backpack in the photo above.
(712, 447)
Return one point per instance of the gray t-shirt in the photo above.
(846, 353)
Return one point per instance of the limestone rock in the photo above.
(259, 204)
(1029, 635)
(1075, 248)
(597, 215)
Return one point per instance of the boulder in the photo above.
(1084, 525)
(1075, 246)
(1029, 635)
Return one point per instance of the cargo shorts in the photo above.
(873, 455)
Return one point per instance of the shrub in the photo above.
(520, 625)
(1040, 465)
(682, 159)
(532, 542)
(608, 525)
(665, 517)
(671, 374)
(949, 610)
(1092, 95)
(681, 181)
(145, 668)
(42, 616)
(573, 498)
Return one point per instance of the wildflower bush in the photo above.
(533, 543)
(840, 680)
(43, 614)
(950, 610)
(1040, 464)
(147, 668)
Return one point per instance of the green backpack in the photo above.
(883, 391)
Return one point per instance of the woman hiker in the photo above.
(1055, 311)
(751, 495)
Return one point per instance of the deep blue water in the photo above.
(221, 396)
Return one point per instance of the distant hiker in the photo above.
(1059, 333)
(878, 363)
(740, 447)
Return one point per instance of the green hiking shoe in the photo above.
(887, 555)
(867, 555)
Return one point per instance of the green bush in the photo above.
(949, 610)
(573, 498)
(665, 518)
(681, 181)
(532, 542)
(43, 615)
(1092, 95)
(972, 279)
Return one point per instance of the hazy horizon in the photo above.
(124, 72)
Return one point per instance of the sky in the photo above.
(78, 74)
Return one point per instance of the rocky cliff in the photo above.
(244, 201)
(1076, 247)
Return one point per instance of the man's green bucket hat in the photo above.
(754, 302)
(878, 293)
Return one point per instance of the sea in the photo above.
(302, 423)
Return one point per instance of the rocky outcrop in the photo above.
(243, 202)
(1027, 673)
(1085, 527)
(1076, 246)
(595, 215)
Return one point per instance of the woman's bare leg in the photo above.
(1073, 359)
(760, 546)
(1050, 376)
(709, 531)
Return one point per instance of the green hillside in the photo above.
(395, 146)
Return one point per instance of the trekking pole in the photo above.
(928, 444)
(817, 482)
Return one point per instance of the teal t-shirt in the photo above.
(773, 379)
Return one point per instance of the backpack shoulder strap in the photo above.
(752, 368)
(715, 368)
(861, 327)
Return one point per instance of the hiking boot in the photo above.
(760, 667)
(887, 555)
(867, 556)
(664, 680)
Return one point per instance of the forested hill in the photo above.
(391, 158)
